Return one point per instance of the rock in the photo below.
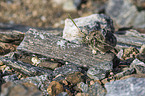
(130, 38)
(65, 70)
(96, 73)
(10, 78)
(27, 69)
(63, 94)
(47, 64)
(96, 22)
(24, 89)
(75, 78)
(55, 88)
(126, 72)
(139, 66)
(55, 47)
(142, 49)
(122, 12)
(125, 14)
(84, 87)
(14, 37)
(96, 90)
(139, 21)
(128, 87)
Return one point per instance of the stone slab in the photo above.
(54, 46)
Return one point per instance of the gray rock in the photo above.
(27, 69)
(130, 38)
(139, 66)
(52, 46)
(84, 87)
(139, 21)
(10, 78)
(96, 90)
(95, 22)
(128, 87)
(120, 54)
(123, 12)
(65, 70)
(42, 82)
(96, 73)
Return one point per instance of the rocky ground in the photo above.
(44, 54)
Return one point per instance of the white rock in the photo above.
(86, 25)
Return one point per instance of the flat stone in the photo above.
(65, 70)
(96, 73)
(127, 87)
(139, 66)
(53, 46)
(47, 64)
(24, 89)
(27, 69)
(130, 38)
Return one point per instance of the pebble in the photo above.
(55, 88)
